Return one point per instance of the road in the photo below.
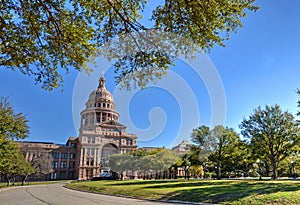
(56, 194)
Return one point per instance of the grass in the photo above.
(209, 191)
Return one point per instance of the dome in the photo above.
(100, 107)
(101, 93)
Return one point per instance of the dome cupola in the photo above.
(100, 107)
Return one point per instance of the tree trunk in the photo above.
(7, 180)
(23, 179)
(267, 167)
(275, 173)
(219, 171)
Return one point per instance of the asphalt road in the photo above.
(56, 194)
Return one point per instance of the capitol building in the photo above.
(100, 135)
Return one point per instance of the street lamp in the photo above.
(259, 172)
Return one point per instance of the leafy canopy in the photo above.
(45, 38)
(272, 133)
(12, 125)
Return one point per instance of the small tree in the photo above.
(272, 134)
(42, 163)
(24, 169)
(12, 162)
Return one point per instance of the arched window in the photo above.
(109, 149)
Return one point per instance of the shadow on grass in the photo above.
(145, 182)
(183, 184)
(228, 192)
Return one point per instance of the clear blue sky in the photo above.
(260, 65)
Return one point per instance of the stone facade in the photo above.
(100, 135)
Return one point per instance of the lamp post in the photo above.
(259, 172)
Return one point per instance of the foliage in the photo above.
(24, 169)
(12, 125)
(298, 102)
(272, 134)
(44, 38)
(42, 163)
(120, 163)
(12, 162)
(219, 141)
(144, 162)
(196, 170)
(240, 159)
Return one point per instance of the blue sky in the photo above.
(260, 65)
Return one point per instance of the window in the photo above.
(90, 162)
(55, 155)
(73, 146)
(63, 164)
(64, 155)
(53, 175)
(129, 142)
(72, 165)
(90, 151)
(62, 175)
(72, 156)
(54, 164)
(93, 140)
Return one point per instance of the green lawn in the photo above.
(210, 191)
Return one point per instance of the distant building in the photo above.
(100, 135)
(182, 148)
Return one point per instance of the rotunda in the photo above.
(101, 134)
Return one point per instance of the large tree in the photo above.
(219, 142)
(43, 38)
(272, 134)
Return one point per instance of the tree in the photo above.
(240, 159)
(120, 163)
(12, 125)
(24, 169)
(163, 161)
(298, 102)
(12, 162)
(272, 134)
(42, 163)
(219, 142)
(44, 38)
